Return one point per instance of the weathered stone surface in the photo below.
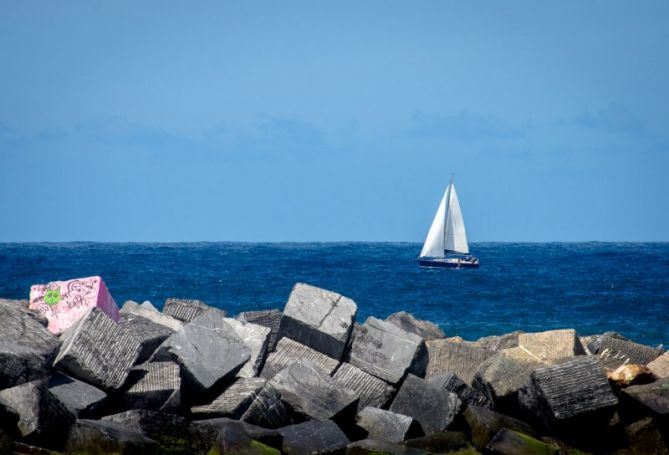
(311, 392)
(149, 334)
(159, 388)
(148, 311)
(467, 394)
(510, 442)
(235, 441)
(233, 401)
(652, 398)
(644, 438)
(29, 411)
(256, 338)
(571, 392)
(387, 351)
(552, 345)
(425, 329)
(186, 309)
(498, 342)
(386, 425)
(27, 348)
(485, 423)
(660, 366)
(170, 431)
(318, 318)
(432, 407)
(289, 351)
(614, 351)
(443, 442)
(81, 399)
(267, 409)
(371, 390)
(266, 318)
(204, 433)
(461, 359)
(627, 375)
(98, 351)
(376, 447)
(313, 436)
(208, 351)
(23, 305)
(101, 436)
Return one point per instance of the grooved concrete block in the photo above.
(158, 389)
(186, 310)
(102, 436)
(424, 329)
(266, 318)
(65, 302)
(267, 409)
(318, 318)
(467, 394)
(371, 390)
(552, 345)
(485, 423)
(386, 351)
(310, 392)
(98, 351)
(660, 366)
(289, 351)
(256, 338)
(148, 311)
(498, 342)
(81, 399)
(432, 407)
(233, 401)
(461, 359)
(614, 351)
(386, 425)
(27, 348)
(149, 334)
(313, 436)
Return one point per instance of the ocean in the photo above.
(592, 287)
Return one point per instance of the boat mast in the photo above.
(447, 206)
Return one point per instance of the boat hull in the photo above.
(456, 263)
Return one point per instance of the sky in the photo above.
(333, 120)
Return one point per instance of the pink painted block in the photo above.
(65, 302)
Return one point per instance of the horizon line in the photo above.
(260, 242)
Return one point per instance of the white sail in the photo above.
(434, 243)
(455, 236)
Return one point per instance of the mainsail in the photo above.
(447, 233)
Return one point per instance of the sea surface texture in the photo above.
(593, 287)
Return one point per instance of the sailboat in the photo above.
(446, 243)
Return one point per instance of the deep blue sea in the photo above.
(593, 287)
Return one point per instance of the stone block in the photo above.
(235, 441)
(65, 302)
(256, 338)
(485, 423)
(424, 329)
(552, 345)
(376, 447)
(660, 366)
(185, 310)
(614, 351)
(432, 407)
(30, 412)
(81, 399)
(510, 442)
(233, 401)
(461, 359)
(310, 392)
(387, 351)
(318, 318)
(289, 351)
(467, 394)
(148, 311)
(498, 342)
(443, 442)
(644, 438)
(208, 351)
(27, 348)
(204, 433)
(267, 409)
(371, 390)
(386, 425)
(158, 389)
(98, 351)
(101, 436)
(652, 399)
(149, 334)
(314, 437)
(170, 431)
(266, 318)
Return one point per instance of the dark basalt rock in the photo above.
(98, 351)
(387, 351)
(289, 351)
(424, 329)
(461, 359)
(614, 351)
(27, 348)
(31, 412)
(149, 334)
(203, 434)
(432, 407)
(644, 437)
(318, 318)
(159, 388)
(314, 437)
(510, 442)
(649, 399)
(266, 318)
(186, 309)
(376, 447)
(100, 436)
(468, 395)
(170, 431)
(485, 423)
(443, 442)
(311, 393)
(234, 441)
(371, 390)
(387, 425)
(193, 347)
(81, 399)
(267, 409)
(233, 401)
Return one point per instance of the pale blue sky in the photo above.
(302, 121)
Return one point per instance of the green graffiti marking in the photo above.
(52, 297)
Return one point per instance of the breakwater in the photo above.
(311, 378)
